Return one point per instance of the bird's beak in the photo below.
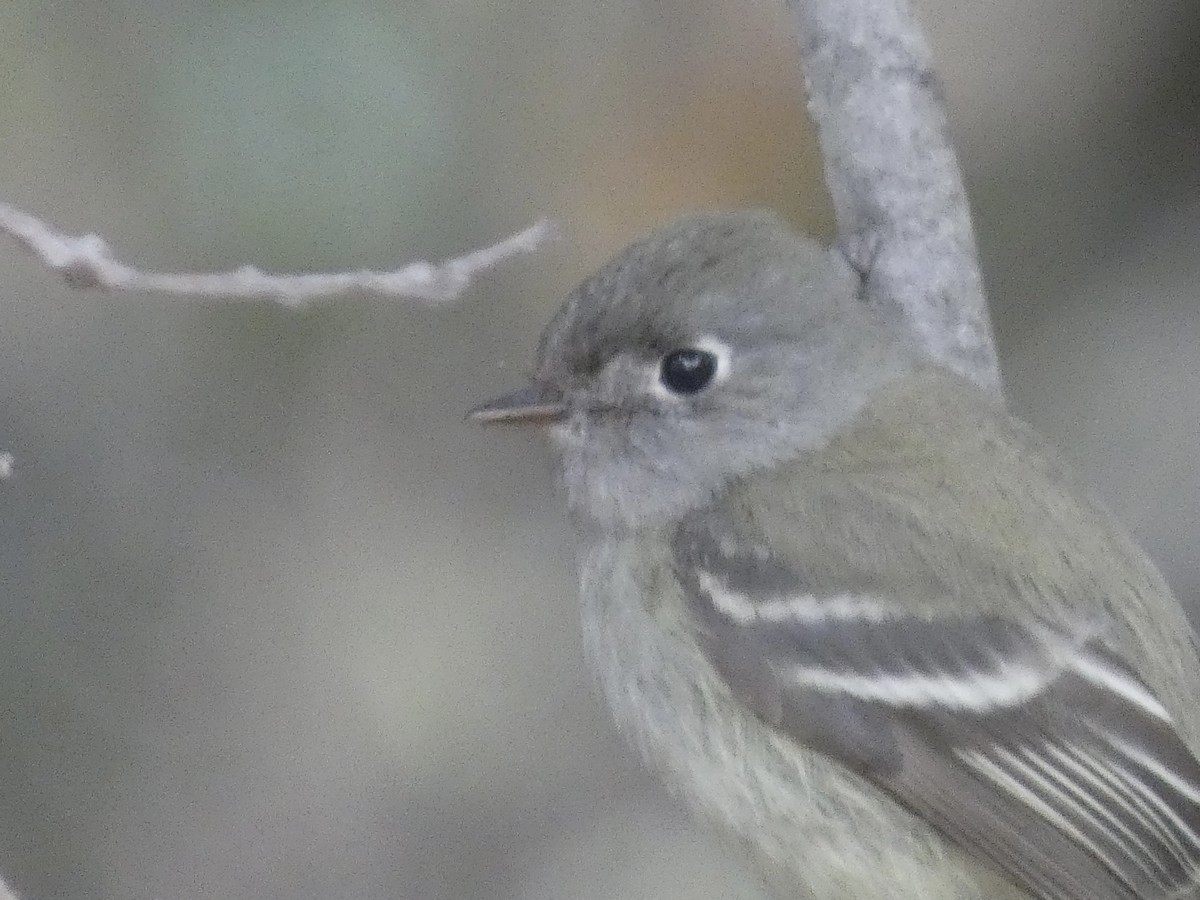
(533, 405)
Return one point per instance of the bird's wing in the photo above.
(1029, 744)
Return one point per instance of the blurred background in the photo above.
(277, 623)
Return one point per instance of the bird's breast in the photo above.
(809, 825)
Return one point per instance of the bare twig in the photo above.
(896, 187)
(85, 261)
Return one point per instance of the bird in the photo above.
(848, 607)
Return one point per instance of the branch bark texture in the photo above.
(86, 261)
(897, 191)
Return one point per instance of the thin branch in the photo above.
(897, 190)
(85, 261)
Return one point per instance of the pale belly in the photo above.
(815, 830)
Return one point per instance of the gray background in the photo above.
(276, 622)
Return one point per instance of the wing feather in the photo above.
(1030, 744)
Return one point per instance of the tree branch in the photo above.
(85, 261)
(897, 191)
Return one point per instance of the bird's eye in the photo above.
(688, 370)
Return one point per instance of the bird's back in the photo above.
(972, 508)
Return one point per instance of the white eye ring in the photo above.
(717, 350)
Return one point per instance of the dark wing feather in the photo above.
(1030, 745)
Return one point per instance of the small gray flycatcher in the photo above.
(848, 606)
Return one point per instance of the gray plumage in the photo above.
(851, 609)
(630, 455)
